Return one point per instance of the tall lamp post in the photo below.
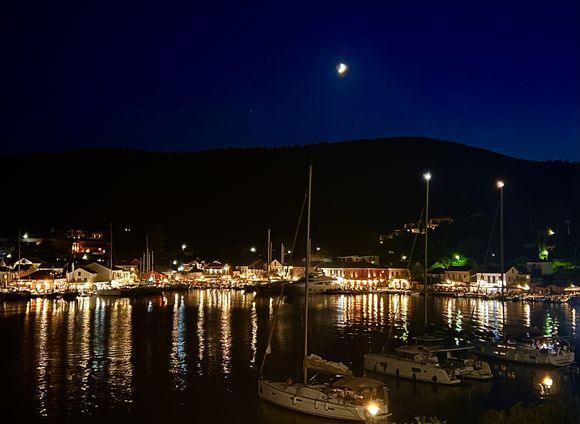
(500, 185)
(427, 178)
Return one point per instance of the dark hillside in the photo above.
(225, 199)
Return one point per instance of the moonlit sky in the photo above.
(502, 75)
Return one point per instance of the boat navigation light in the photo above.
(372, 408)
(547, 382)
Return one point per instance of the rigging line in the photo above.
(485, 258)
(280, 296)
(396, 307)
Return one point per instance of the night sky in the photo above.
(502, 75)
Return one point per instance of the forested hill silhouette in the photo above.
(222, 201)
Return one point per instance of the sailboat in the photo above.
(109, 290)
(346, 398)
(551, 351)
(429, 358)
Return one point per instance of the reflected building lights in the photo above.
(201, 331)
(382, 311)
(254, 341)
(459, 321)
(226, 334)
(375, 304)
(119, 372)
(178, 363)
(449, 313)
(42, 358)
(527, 314)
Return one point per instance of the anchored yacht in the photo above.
(429, 360)
(536, 351)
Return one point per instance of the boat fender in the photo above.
(434, 379)
(397, 372)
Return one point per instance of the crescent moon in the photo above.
(341, 68)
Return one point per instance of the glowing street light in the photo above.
(289, 251)
(25, 236)
(427, 178)
(253, 249)
(551, 232)
(500, 184)
(174, 262)
(183, 246)
(318, 249)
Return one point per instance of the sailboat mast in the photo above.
(111, 250)
(268, 257)
(19, 237)
(146, 255)
(306, 273)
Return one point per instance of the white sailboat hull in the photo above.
(309, 400)
(507, 352)
(406, 368)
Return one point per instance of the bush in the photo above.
(555, 412)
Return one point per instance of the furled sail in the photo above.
(316, 363)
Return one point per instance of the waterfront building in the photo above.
(371, 259)
(541, 267)
(254, 270)
(45, 280)
(104, 273)
(132, 267)
(366, 275)
(82, 275)
(217, 269)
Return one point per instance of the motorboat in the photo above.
(460, 357)
(317, 283)
(540, 350)
(414, 363)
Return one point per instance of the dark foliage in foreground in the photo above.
(554, 412)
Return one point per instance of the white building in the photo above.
(82, 275)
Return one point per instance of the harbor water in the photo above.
(194, 356)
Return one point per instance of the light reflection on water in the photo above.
(107, 354)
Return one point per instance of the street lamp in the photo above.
(183, 246)
(500, 184)
(253, 249)
(427, 178)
